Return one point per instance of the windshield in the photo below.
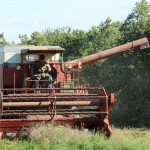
(32, 57)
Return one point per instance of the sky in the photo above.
(26, 16)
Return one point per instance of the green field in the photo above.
(64, 138)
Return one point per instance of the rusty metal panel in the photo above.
(1, 76)
(13, 76)
(1, 104)
(1, 58)
(11, 54)
(1, 55)
(12, 57)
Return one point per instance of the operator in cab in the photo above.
(41, 71)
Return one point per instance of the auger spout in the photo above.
(141, 43)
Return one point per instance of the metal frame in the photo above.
(22, 107)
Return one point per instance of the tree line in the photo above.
(128, 74)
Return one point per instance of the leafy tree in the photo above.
(102, 37)
(74, 41)
(3, 42)
(105, 35)
(24, 39)
(137, 23)
(133, 99)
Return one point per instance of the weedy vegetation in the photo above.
(49, 137)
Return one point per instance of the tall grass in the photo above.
(50, 134)
(49, 137)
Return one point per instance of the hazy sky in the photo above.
(26, 16)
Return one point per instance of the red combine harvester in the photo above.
(66, 103)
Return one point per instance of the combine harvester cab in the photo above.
(66, 103)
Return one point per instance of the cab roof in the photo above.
(42, 49)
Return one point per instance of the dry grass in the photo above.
(131, 138)
(51, 134)
(135, 133)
